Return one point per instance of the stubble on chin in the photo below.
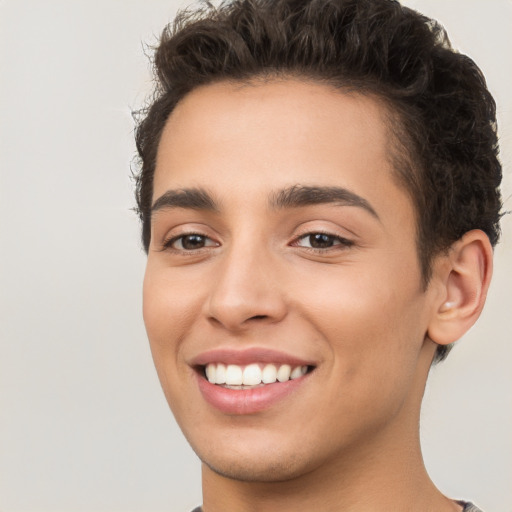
(259, 470)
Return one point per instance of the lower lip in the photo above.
(247, 401)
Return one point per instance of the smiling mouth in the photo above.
(254, 375)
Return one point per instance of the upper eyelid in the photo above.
(167, 245)
(328, 225)
(344, 240)
(187, 229)
(169, 239)
(296, 237)
(299, 232)
(325, 231)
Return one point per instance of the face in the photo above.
(283, 268)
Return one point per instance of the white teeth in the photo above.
(220, 374)
(234, 375)
(210, 373)
(253, 374)
(298, 371)
(269, 374)
(283, 374)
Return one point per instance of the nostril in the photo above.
(258, 317)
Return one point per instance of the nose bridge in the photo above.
(245, 287)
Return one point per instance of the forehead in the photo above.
(237, 138)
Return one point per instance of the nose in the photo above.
(246, 289)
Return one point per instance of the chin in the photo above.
(260, 469)
(265, 457)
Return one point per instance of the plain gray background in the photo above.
(84, 425)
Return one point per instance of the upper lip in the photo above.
(248, 356)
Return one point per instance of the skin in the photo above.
(348, 438)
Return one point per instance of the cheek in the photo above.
(168, 310)
(366, 318)
(374, 339)
(168, 315)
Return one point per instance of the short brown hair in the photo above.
(443, 117)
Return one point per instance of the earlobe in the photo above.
(464, 278)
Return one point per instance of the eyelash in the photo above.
(168, 243)
(343, 242)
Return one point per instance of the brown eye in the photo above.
(190, 242)
(321, 240)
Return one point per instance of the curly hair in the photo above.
(441, 114)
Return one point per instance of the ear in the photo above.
(462, 276)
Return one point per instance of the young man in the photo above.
(319, 200)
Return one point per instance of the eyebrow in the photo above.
(299, 195)
(190, 198)
(291, 197)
